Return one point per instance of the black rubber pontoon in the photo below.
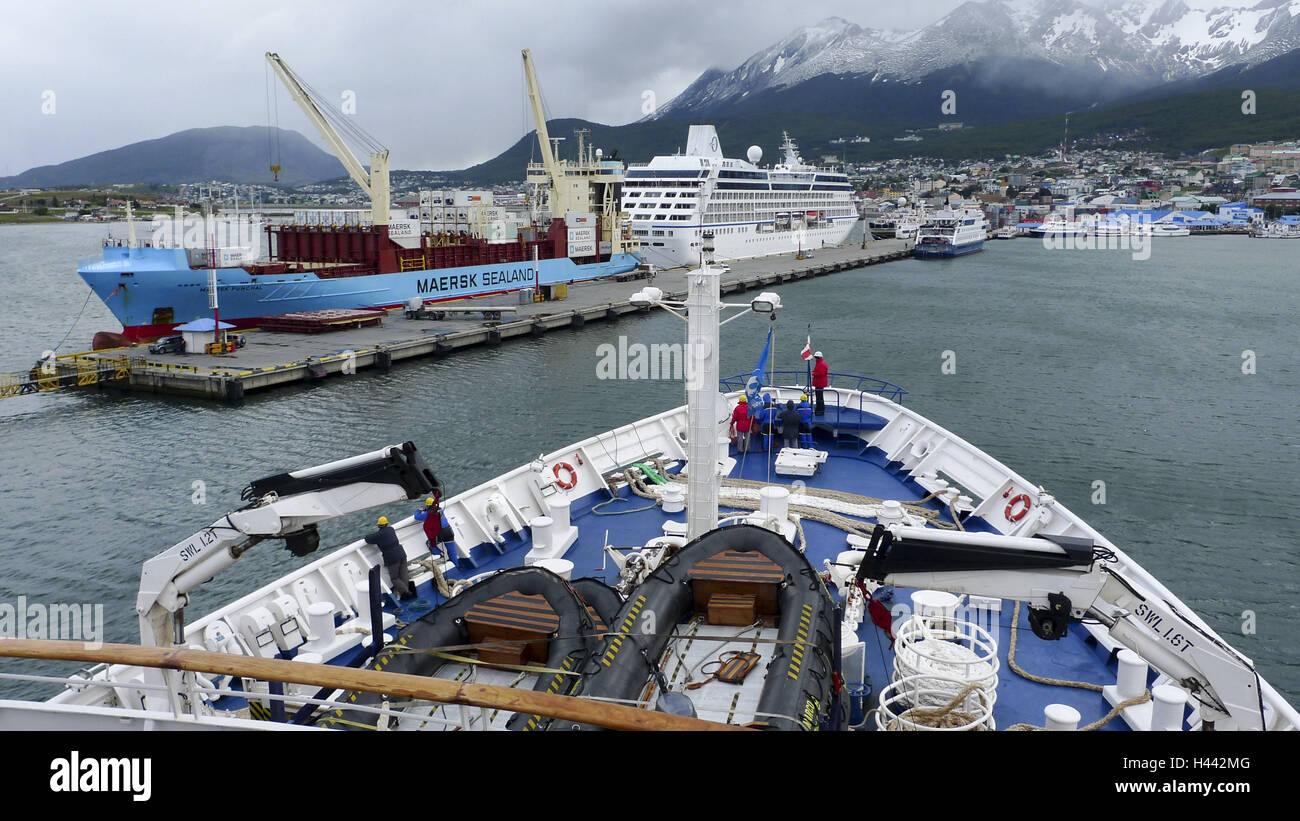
(798, 689)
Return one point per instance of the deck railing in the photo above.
(799, 379)
(835, 397)
(838, 399)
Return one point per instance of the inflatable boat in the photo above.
(521, 626)
(736, 627)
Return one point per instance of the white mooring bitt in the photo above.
(1131, 680)
(775, 502)
(1164, 711)
(1061, 717)
(1167, 703)
(552, 535)
(320, 621)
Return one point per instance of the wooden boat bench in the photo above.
(524, 625)
(736, 588)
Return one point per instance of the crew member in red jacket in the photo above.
(820, 380)
(433, 524)
(740, 423)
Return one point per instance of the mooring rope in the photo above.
(1060, 682)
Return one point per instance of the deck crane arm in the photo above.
(373, 182)
(284, 506)
(1063, 577)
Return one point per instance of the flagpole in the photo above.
(771, 370)
(808, 365)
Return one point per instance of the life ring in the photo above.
(573, 475)
(1015, 517)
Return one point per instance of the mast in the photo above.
(375, 182)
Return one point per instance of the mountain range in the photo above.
(1158, 74)
(226, 153)
(1117, 47)
(1164, 75)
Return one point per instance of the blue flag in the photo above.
(755, 382)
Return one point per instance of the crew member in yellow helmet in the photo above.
(394, 558)
(740, 425)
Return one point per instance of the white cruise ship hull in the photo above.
(743, 241)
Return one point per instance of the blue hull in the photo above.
(947, 249)
(139, 285)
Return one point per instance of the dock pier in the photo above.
(272, 359)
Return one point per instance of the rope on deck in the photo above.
(1059, 682)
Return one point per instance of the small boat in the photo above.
(702, 625)
(1058, 226)
(524, 625)
(1277, 230)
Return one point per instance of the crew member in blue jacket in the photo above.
(768, 418)
(394, 558)
(805, 422)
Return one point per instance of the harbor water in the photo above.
(1154, 397)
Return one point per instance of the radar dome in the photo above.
(902, 200)
(754, 154)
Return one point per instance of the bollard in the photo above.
(1061, 717)
(1167, 708)
(1131, 681)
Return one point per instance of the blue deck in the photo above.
(1077, 657)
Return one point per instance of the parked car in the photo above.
(168, 344)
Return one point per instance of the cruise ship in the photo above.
(951, 233)
(752, 211)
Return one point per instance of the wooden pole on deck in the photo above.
(604, 714)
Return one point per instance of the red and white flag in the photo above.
(806, 353)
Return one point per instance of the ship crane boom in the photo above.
(549, 160)
(284, 506)
(373, 182)
(1064, 577)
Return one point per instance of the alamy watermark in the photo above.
(61, 621)
(77, 773)
(1119, 234)
(659, 360)
(199, 232)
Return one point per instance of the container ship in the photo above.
(372, 261)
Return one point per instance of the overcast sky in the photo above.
(439, 83)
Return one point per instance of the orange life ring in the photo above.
(573, 475)
(1015, 517)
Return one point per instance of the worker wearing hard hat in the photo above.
(394, 558)
(740, 425)
(805, 422)
(432, 518)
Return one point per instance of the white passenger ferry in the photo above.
(752, 211)
(951, 233)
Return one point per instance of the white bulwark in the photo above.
(752, 211)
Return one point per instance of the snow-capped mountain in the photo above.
(1137, 42)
